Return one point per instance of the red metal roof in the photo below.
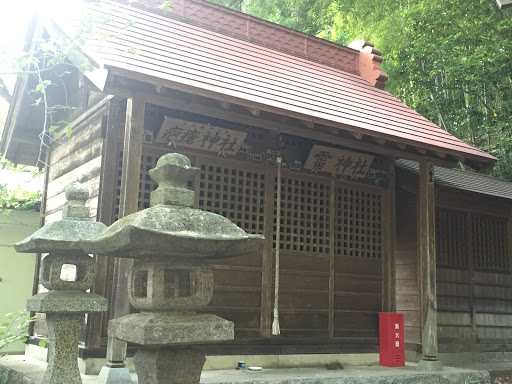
(169, 51)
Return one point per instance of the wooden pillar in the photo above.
(104, 215)
(332, 255)
(427, 257)
(132, 152)
(39, 256)
(509, 230)
(389, 243)
(471, 273)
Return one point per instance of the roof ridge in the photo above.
(246, 27)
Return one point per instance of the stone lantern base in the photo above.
(181, 365)
(65, 313)
(165, 366)
(169, 328)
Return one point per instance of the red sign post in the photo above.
(391, 339)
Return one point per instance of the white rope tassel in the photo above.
(275, 324)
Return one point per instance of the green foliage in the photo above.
(7, 165)
(18, 198)
(14, 328)
(447, 59)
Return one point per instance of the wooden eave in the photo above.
(176, 96)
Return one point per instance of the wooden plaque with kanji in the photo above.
(348, 164)
(181, 133)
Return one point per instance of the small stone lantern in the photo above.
(171, 279)
(66, 302)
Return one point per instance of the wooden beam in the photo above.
(138, 79)
(254, 111)
(224, 105)
(357, 135)
(427, 257)
(272, 124)
(420, 150)
(379, 140)
(130, 177)
(403, 147)
(309, 124)
(389, 243)
(268, 255)
(328, 130)
(441, 154)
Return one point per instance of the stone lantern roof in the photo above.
(171, 227)
(65, 235)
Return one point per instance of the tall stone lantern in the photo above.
(66, 302)
(171, 279)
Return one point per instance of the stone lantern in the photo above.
(66, 302)
(171, 279)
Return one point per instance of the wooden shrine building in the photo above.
(359, 233)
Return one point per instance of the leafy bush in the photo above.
(18, 198)
(15, 328)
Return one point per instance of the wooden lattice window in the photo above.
(358, 223)
(490, 244)
(233, 193)
(305, 216)
(451, 238)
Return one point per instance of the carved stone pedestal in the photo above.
(64, 330)
(162, 366)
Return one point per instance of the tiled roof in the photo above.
(464, 180)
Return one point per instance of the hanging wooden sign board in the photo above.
(348, 164)
(181, 133)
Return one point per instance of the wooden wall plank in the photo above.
(86, 130)
(82, 137)
(407, 285)
(81, 174)
(80, 156)
(465, 202)
(55, 203)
